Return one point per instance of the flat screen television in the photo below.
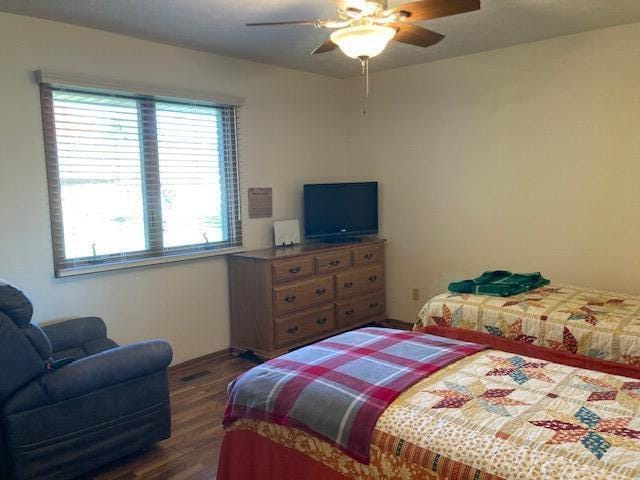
(340, 210)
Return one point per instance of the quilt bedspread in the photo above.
(495, 415)
(593, 323)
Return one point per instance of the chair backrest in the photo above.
(15, 304)
(23, 345)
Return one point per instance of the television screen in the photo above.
(340, 209)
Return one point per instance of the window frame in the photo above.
(155, 253)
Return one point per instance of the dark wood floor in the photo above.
(198, 399)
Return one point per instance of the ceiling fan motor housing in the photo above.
(364, 8)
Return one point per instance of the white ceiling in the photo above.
(217, 26)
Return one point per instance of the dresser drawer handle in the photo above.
(321, 321)
(321, 291)
(289, 298)
(369, 256)
(292, 330)
(294, 270)
(348, 284)
(373, 305)
(351, 311)
(334, 263)
(373, 278)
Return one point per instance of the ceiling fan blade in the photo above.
(428, 9)
(413, 35)
(310, 23)
(324, 47)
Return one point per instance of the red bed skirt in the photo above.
(536, 351)
(247, 455)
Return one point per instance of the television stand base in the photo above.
(343, 239)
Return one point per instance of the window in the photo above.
(134, 178)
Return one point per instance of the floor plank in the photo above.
(197, 405)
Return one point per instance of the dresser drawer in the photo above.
(367, 255)
(360, 281)
(286, 270)
(299, 295)
(302, 325)
(331, 262)
(357, 309)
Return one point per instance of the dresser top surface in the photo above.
(304, 249)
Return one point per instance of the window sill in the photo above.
(107, 267)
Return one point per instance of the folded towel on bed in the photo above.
(338, 388)
(500, 283)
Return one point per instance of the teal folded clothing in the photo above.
(500, 283)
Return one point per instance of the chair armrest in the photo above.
(107, 368)
(75, 332)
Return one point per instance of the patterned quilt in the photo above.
(594, 323)
(495, 415)
(339, 387)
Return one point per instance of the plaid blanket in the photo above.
(338, 388)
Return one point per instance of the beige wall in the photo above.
(290, 136)
(525, 158)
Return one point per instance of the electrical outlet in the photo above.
(415, 294)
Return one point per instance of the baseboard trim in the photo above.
(204, 358)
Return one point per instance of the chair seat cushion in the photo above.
(89, 348)
(76, 353)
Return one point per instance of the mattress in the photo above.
(592, 323)
(488, 416)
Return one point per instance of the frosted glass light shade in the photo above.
(364, 40)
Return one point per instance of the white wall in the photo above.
(525, 158)
(291, 134)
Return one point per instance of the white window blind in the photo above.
(133, 178)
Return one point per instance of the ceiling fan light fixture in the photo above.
(363, 41)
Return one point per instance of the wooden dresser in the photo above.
(282, 298)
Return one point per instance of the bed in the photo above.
(600, 326)
(488, 415)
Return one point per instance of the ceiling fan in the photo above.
(365, 27)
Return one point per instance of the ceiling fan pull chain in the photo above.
(365, 76)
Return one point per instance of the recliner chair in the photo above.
(71, 399)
